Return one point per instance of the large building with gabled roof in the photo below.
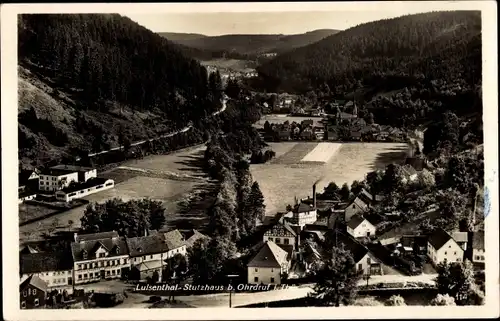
(99, 256)
(268, 265)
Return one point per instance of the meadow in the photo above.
(174, 179)
(298, 166)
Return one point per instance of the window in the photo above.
(272, 280)
(287, 241)
(256, 270)
(34, 291)
(278, 240)
(85, 276)
(360, 266)
(368, 261)
(455, 253)
(256, 279)
(41, 183)
(151, 257)
(135, 259)
(102, 254)
(459, 259)
(25, 293)
(23, 304)
(118, 272)
(79, 276)
(37, 303)
(107, 272)
(113, 272)
(354, 206)
(144, 257)
(271, 239)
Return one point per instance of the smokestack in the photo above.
(314, 195)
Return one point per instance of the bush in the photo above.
(395, 300)
(367, 302)
(441, 300)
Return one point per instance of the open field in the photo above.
(31, 211)
(288, 175)
(280, 118)
(174, 179)
(233, 64)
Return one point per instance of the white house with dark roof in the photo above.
(55, 269)
(478, 249)
(365, 262)
(268, 265)
(441, 247)
(461, 238)
(281, 233)
(58, 177)
(99, 256)
(302, 214)
(358, 226)
(147, 255)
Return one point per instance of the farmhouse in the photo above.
(461, 239)
(281, 233)
(99, 256)
(175, 243)
(478, 248)
(55, 269)
(441, 247)
(361, 204)
(60, 176)
(268, 265)
(32, 293)
(79, 190)
(358, 226)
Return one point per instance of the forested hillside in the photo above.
(435, 56)
(88, 81)
(250, 44)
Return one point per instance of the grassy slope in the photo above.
(38, 93)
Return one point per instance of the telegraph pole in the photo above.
(231, 276)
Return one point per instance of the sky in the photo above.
(294, 22)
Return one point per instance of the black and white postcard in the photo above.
(313, 157)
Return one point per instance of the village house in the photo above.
(32, 293)
(306, 134)
(175, 243)
(409, 174)
(147, 256)
(366, 263)
(58, 177)
(441, 247)
(192, 236)
(461, 238)
(99, 256)
(282, 233)
(55, 269)
(269, 265)
(358, 227)
(28, 179)
(359, 205)
(301, 215)
(478, 249)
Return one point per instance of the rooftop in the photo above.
(59, 170)
(95, 236)
(89, 183)
(270, 255)
(87, 250)
(34, 281)
(355, 221)
(174, 239)
(44, 262)
(146, 245)
(439, 238)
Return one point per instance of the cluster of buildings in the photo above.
(285, 247)
(100, 256)
(66, 182)
(305, 130)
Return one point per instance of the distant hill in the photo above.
(175, 36)
(250, 44)
(87, 81)
(435, 57)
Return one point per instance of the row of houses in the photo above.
(106, 255)
(67, 182)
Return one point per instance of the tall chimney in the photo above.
(314, 195)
